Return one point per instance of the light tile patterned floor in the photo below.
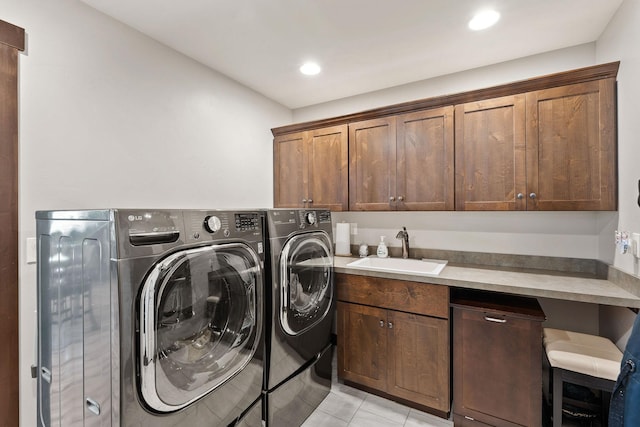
(348, 406)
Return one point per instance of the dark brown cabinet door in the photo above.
(424, 175)
(386, 346)
(372, 164)
(497, 368)
(329, 168)
(311, 169)
(362, 345)
(571, 147)
(419, 359)
(490, 154)
(290, 173)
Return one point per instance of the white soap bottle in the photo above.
(382, 251)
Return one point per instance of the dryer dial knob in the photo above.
(310, 218)
(212, 223)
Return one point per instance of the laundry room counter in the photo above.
(543, 284)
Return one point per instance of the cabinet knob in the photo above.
(401, 198)
(390, 324)
(392, 199)
(310, 200)
(520, 196)
(304, 200)
(532, 195)
(382, 323)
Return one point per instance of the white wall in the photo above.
(619, 41)
(110, 118)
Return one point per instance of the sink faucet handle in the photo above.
(404, 236)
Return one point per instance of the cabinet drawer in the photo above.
(402, 295)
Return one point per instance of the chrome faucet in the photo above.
(402, 234)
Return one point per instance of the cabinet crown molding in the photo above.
(580, 75)
(12, 35)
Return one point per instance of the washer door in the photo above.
(306, 281)
(200, 321)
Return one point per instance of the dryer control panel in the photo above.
(204, 226)
(283, 222)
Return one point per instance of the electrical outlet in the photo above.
(354, 228)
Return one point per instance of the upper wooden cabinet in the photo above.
(490, 154)
(402, 162)
(571, 147)
(311, 169)
(546, 143)
(552, 149)
(372, 164)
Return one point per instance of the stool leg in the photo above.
(557, 398)
(605, 396)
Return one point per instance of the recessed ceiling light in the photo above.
(310, 68)
(484, 19)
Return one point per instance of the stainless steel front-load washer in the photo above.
(149, 317)
(301, 302)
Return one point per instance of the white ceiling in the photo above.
(362, 45)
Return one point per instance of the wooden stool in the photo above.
(581, 359)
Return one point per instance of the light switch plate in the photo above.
(32, 253)
(354, 228)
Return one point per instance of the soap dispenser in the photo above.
(382, 251)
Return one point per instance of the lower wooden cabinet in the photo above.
(399, 353)
(497, 360)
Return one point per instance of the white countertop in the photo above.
(542, 285)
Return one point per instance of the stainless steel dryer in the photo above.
(301, 305)
(149, 317)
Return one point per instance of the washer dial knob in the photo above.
(212, 223)
(310, 218)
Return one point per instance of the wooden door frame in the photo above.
(12, 40)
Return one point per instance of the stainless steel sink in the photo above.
(420, 267)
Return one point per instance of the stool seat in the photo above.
(583, 353)
(582, 359)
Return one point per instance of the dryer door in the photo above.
(200, 318)
(306, 281)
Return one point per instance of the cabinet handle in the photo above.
(520, 196)
(392, 199)
(93, 406)
(532, 195)
(45, 374)
(304, 200)
(401, 198)
(382, 323)
(494, 319)
(390, 324)
(310, 200)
